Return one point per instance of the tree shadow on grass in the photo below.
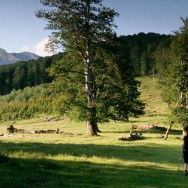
(151, 152)
(45, 173)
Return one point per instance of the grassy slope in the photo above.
(151, 95)
(73, 159)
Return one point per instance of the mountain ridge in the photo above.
(10, 58)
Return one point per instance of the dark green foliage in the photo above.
(117, 97)
(143, 48)
(117, 94)
(3, 158)
(162, 60)
(175, 82)
(22, 74)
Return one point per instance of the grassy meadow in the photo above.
(73, 159)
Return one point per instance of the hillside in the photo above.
(151, 96)
(9, 58)
(32, 101)
(20, 74)
(142, 52)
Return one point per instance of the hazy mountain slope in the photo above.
(25, 56)
(9, 58)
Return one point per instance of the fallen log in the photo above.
(146, 127)
(47, 131)
(12, 129)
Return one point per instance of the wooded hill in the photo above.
(22, 74)
(25, 85)
(146, 53)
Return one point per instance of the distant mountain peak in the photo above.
(10, 58)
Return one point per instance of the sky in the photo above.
(21, 30)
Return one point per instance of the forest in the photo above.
(27, 88)
(144, 53)
(23, 74)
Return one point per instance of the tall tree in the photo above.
(82, 27)
(176, 80)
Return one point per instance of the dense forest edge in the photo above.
(23, 74)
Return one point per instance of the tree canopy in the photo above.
(176, 78)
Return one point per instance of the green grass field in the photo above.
(73, 159)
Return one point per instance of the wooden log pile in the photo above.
(12, 129)
(149, 126)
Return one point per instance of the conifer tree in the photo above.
(84, 28)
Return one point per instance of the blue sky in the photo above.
(21, 30)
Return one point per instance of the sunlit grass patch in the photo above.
(65, 160)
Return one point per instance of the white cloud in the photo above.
(38, 48)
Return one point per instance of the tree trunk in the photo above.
(92, 127)
(89, 80)
(91, 113)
